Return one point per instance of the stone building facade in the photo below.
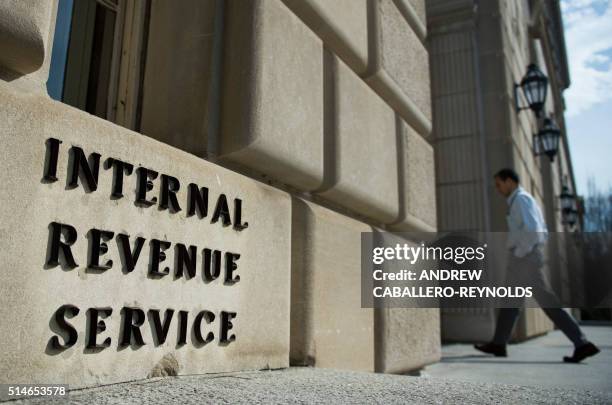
(256, 138)
(478, 51)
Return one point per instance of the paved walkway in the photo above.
(537, 362)
(319, 386)
(533, 374)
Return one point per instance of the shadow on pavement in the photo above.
(475, 358)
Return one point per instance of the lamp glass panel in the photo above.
(567, 199)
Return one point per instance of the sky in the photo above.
(588, 37)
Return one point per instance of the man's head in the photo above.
(506, 181)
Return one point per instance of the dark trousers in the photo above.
(527, 271)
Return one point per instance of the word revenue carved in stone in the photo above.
(63, 236)
(86, 169)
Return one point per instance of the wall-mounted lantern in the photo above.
(569, 206)
(534, 87)
(546, 141)
(568, 200)
(570, 218)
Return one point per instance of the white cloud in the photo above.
(588, 36)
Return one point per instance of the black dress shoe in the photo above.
(492, 348)
(580, 353)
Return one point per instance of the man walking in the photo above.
(527, 235)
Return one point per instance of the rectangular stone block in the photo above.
(362, 146)
(26, 32)
(328, 326)
(178, 74)
(202, 289)
(272, 94)
(407, 339)
(399, 67)
(341, 24)
(417, 182)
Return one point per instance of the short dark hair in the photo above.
(505, 174)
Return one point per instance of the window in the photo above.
(96, 57)
(150, 66)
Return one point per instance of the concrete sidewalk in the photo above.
(537, 362)
(532, 374)
(320, 386)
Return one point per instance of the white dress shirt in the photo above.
(526, 226)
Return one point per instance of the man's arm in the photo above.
(530, 225)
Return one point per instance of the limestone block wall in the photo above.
(328, 326)
(363, 174)
(330, 100)
(270, 89)
(326, 102)
(286, 103)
